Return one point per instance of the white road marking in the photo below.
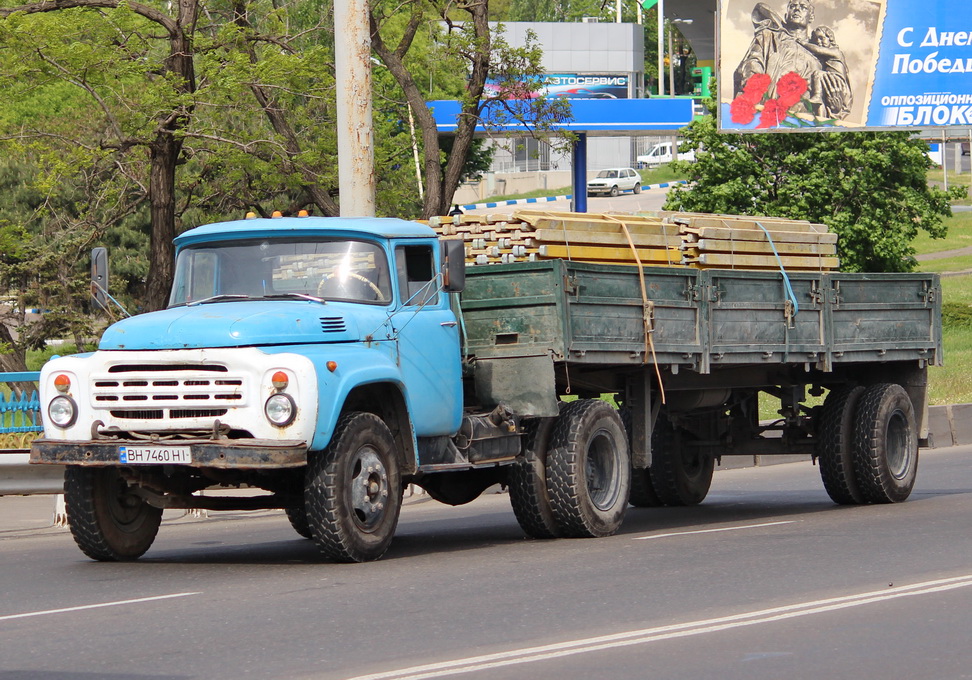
(648, 635)
(712, 531)
(65, 610)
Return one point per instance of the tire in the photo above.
(527, 483)
(298, 520)
(108, 522)
(885, 444)
(614, 191)
(353, 490)
(642, 491)
(835, 446)
(588, 470)
(679, 474)
(637, 188)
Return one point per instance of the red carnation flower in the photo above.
(742, 110)
(790, 88)
(773, 113)
(756, 86)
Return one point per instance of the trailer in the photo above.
(332, 361)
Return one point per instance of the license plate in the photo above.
(154, 455)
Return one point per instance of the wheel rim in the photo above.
(127, 510)
(369, 488)
(603, 464)
(898, 446)
(691, 462)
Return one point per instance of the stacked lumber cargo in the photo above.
(743, 242)
(672, 239)
(530, 235)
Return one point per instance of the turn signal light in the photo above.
(331, 366)
(280, 380)
(62, 383)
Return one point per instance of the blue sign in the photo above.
(788, 65)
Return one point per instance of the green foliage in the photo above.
(868, 187)
(956, 315)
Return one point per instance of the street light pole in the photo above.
(661, 48)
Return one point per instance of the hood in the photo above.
(237, 324)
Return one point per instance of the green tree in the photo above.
(868, 187)
(465, 48)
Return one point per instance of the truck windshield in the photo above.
(350, 270)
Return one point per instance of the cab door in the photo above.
(428, 343)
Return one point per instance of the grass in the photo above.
(959, 236)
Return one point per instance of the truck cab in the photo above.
(278, 333)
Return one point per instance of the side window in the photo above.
(416, 275)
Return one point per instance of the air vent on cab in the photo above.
(333, 324)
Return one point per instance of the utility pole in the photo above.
(352, 66)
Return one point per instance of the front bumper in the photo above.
(234, 454)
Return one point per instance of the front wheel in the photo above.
(353, 491)
(109, 522)
(615, 191)
(885, 444)
(588, 471)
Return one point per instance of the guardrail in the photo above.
(20, 414)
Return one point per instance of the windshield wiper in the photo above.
(219, 298)
(292, 296)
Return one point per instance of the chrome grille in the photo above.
(148, 392)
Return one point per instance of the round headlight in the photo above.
(280, 409)
(62, 411)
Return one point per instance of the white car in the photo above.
(615, 180)
(661, 154)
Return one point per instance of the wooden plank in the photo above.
(605, 238)
(754, 247)
(771, 224)
(759, 235)
(764, 261)
(669, 256)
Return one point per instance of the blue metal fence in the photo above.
(19, 413)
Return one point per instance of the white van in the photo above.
(662, 153)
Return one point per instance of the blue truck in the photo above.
(327, 363)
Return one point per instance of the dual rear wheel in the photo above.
(867, 444)
(576, 477)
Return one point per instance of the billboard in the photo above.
(791, 65)
(575, 86)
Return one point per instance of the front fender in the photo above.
(354, 365)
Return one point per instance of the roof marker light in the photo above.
(277, 213)
(302, 213)
(251, 215)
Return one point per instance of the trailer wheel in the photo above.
(588, 470)
(109, 522)
(353, 491)
(642, 492)
(835, 446)
(527, 482)
(885, 444)
(680, 474)
(298, 520)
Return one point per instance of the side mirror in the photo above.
(453, 265)
(99, 278)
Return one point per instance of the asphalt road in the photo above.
(766, 579)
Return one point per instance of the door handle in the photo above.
(450, 324)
